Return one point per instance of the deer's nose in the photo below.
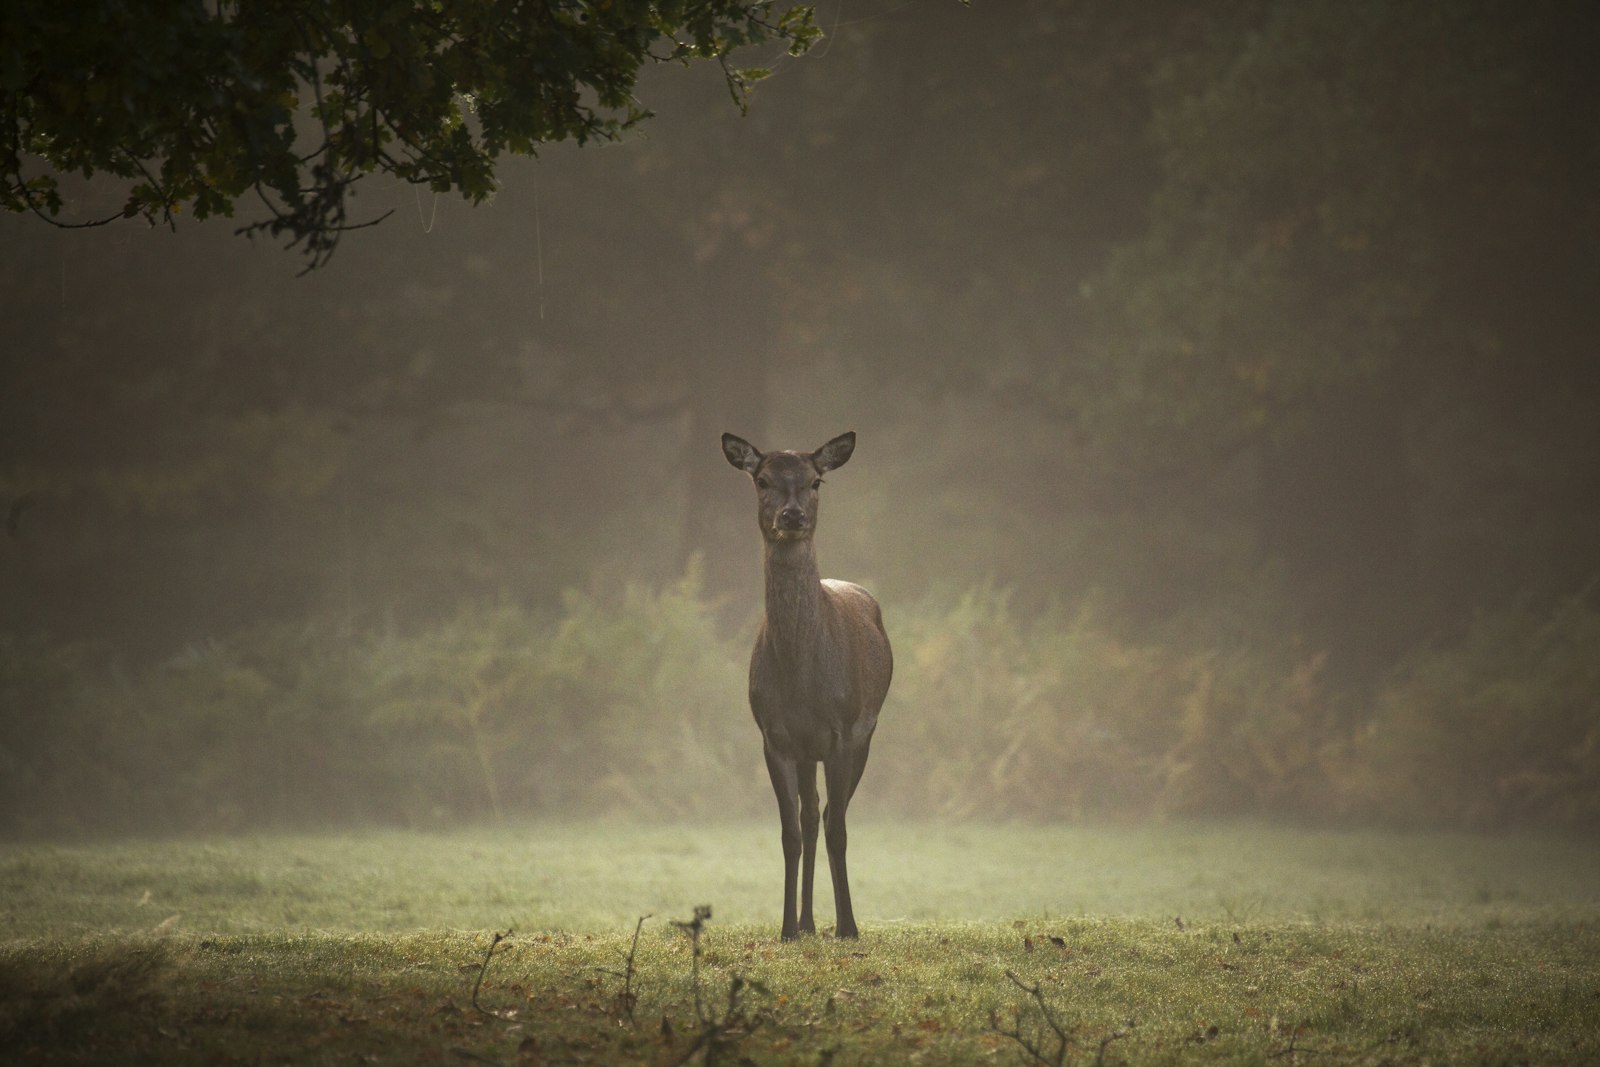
(791, 519)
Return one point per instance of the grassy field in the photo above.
(980, 944)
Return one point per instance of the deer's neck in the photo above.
(794, 597)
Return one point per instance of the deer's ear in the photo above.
(741, 453)
(835, 452)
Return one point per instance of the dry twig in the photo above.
(717, 1034)
(627, 999)
(702, 914)
(1035, 1044)
(483, 969)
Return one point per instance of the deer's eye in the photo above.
(816, 485)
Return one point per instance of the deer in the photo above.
(819, 672)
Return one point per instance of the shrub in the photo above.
(650, 701)
(54, 771)
(1062, 716)
(634, 704)
(1499, 728)
(630, 704)
(265, 729)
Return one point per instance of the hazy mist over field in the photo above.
(1224, 378)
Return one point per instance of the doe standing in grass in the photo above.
(818, 674)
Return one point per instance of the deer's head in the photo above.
(787, 482)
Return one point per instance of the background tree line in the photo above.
(1225, 379)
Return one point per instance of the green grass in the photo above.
(1293, 947)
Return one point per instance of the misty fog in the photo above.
(1224, 379)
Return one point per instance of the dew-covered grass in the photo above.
(1229, 944)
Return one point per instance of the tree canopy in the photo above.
(198, 106)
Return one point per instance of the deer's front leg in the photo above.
(786, 787)
(809, 820)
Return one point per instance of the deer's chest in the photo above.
(803, 710)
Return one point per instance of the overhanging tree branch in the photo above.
(200, 110)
